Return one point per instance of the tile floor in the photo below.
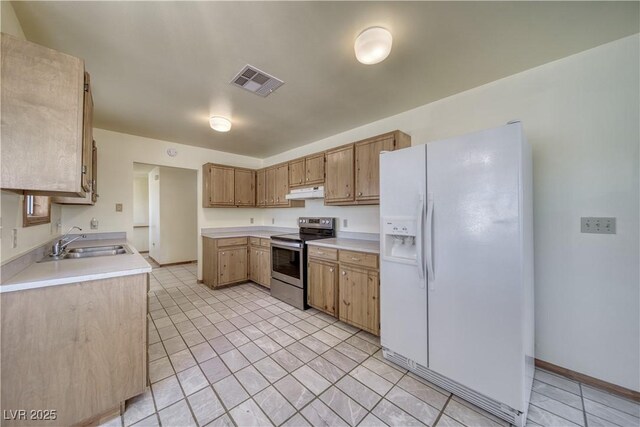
(236, 356)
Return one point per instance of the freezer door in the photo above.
(475, 288)
(403, 293)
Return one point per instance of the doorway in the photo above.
(165, 213)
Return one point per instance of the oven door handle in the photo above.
(286, 245)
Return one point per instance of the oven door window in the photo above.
(286, 262)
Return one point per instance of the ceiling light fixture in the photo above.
(373, 45)
(220, 124)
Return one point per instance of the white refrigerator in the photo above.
(456, 270)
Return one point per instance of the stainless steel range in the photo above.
(289, 259)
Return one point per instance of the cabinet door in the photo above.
(282, 184)
(367, 174)
(87, 136)
(261, 195)
(42, 117)
(94, 172)
(338, 184)
(314, 169)
(221, 185)
(232, 265)
(265, 267)
(359, 302)
(244, 187)
(321, 282)
(254, 264)
(296, 173)
(209, 261)
(270, 185)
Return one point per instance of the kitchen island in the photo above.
(74, 337)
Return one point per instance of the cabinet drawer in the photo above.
(265, 242)
(362, 259)
(324, 253)
(254, 241)
(232, 241)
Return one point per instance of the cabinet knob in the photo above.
(331, 270)
(344, 273)
(360, 193)
(278, 199)
(348, 194)
(231, 200)
(222, 253)
(238, 201)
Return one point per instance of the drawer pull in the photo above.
(320, 252)
(355, 259)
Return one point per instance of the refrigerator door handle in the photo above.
(429, 241)
(419, 239)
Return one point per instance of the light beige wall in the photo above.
(140, 199)
(140, 236)
(580, 115)
(178, 216)
(11, 203)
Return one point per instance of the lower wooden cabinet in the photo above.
(232, 265)
(224, 261)
(79, 349)
(260, 265)
(322, 286)
(345, 284)
(359, 298)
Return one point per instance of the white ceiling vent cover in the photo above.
(256, 81)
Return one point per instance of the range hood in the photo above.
(306, 193)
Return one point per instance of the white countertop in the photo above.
(53, 273)
(360, 245)
(255, 231)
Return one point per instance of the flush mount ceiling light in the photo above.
(373, 45)
(220, 124)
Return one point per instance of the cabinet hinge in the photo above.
(84, 169)
(86, 87)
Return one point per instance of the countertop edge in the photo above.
(45, 283)
(345, 246)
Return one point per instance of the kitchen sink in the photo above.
(90, 252)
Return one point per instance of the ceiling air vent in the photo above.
(257, 81)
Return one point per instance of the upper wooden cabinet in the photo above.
(218, 185)
(87, 136)
(91, 197)
(353, 171)
(244, 187)
(270, 184)
(307, 171)
(282, 184)
(261, 187)
(314, 169)
(296, 173)
(46, 120)
(338, 186)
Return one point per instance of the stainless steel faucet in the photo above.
(58, 247)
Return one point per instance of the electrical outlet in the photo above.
(344, 223)
(598, 225)
(118, 207)
(251, 220)
(14, 238)
(94, 224)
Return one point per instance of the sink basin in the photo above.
(89, 252)
(97, 249)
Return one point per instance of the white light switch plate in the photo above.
(598, 225)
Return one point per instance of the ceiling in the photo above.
(160, 69)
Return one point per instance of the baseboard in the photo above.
(174, 263)
(143, 252)
(586, 379)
